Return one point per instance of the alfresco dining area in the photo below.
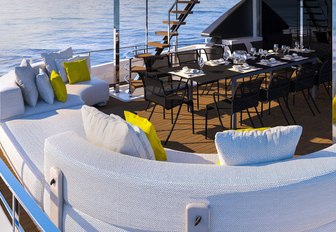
(223, 88)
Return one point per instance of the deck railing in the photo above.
(20, 196)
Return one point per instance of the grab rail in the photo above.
(39, 218)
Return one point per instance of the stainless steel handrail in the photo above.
(26, 201)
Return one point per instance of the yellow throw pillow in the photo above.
(148, 128)
(77, 71)
(58, 87)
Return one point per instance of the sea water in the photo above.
(30, 27)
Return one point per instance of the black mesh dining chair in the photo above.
(235, 47)
(214, 53)
(168, 94)
(304, 80)
(188, 58)
(245, 96)
(324, 76)
(277, 88)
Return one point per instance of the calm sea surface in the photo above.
(29, 28)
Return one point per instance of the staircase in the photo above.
(176, 17)
(317, 12)
(177, 14)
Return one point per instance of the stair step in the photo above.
(173, 22)
(188, 2)
(138, 69)
(181, 12)
(158, 45)
(143, 55)
(165, 33)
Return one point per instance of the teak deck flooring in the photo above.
(317, 130)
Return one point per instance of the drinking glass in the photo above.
(260, 51)
(253, 51)
(276, 48)
(201, 63)
(296, 45)
(283, 49)
(226, 55)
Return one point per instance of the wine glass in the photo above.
(276, 48)
(253, 51)
(226, 55)
(283, 49)
(296, 45)
(201, 63)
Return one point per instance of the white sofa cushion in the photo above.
(25, 78)
(11, 99)
(114, 133)
(91, 92)
(44, 87)
(49, 58)
(253, 147)
(60, 65)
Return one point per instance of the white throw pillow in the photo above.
(49, 58)
(113, 133)
(44, 87)
(25, 79)
(61, 69)
(253, 147)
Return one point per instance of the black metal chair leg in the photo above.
(219, 117)
(150, 116)
(210, 88)
(269, 108)
(164, 113)
(282, 111)
(259, 118)
(289, 110)
(172, 115)
(148, 105)
(305, 97)
(192, 117)
(241, 118)
(314, 102)
(327, 90)
(171, 130)
(262, 109)
(206, 122)
(205, 88)
(249, 115)
(197, 97)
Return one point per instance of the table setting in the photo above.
(243, 68)
(187, 72)
(272, 62)
(293, 57)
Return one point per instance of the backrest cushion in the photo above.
(58, 87)
(114, 133)
(60, 65)
(254, 147)
(49, 58)
(77, 71)
(148, 128)
(25, 78)
(44, 87)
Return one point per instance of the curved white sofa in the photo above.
(142, 195)
(107, 191)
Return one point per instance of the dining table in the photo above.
(212, 72)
